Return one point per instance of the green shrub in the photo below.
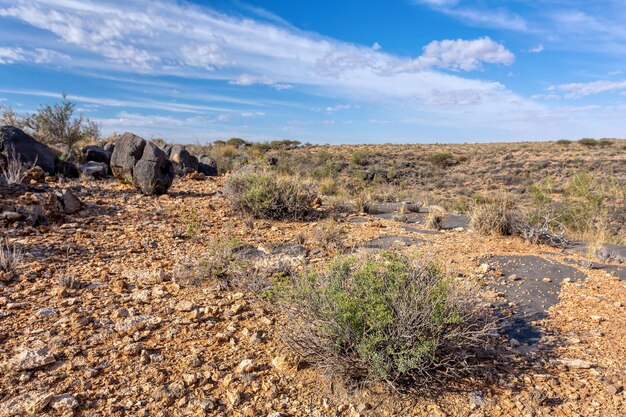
(388, 317)
(442, 159)
(262, 195)
(360, 157)
(563, 142)
(588, 142)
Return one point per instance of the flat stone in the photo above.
(32, 359)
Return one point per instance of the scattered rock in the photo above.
(576, 363)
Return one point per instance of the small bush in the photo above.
(14, 173)
(218, 262)
(436, 217)
(390, 318)
(588, 142)
(10, 258)
(262, 195)
(360, 157)
(492, 217)
(330, 234)
(442, 159)
(563, 142)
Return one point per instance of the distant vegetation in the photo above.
(54, 124)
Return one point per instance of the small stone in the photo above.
(514, 342)
(184, 305)
(513, 278)
(234, 398)
(476, 399)
(64, 402)
(618, 304)
(279, 363)
(484, 268)
(576, 363)
(245, 366)
(46, 312)
(32, 359)
(614, 389)
(255, 338)
(546, 279)
(597, 319)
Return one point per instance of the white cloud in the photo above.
(248, 79)
(460, 54)
(479, 16)
(11, 55)
(536, 49)
(438, 3)
(338, 107)
(579, 90)
(376, 46)
(253, 114)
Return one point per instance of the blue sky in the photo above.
(342, 71)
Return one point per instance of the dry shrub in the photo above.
(389, 318)
(492, 217)
(436, 217)
(14, 172)
(262, 195)
(218, 263)
(10, 258)
(330, 234)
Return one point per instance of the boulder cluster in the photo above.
(131, 159)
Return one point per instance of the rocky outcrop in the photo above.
(128, 151)
(154, 172)
(96, 154)
(207, 166)
(15, 142)
(95, 170)
(142, 163)
(184, 162)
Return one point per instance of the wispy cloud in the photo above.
(460, 54)
(536, 49)
(11, 55)
(482, 16)
(579, 90)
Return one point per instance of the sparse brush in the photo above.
(15, 172)
(260, 194)
(492, 217)
(10, 258)
(68, 281)
(436, 217)
(330, 234)
(389, 318)
(218, 263)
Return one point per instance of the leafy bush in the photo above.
(360, 157)
(492, 217)
(442, 159)
(262, 195)
(589, 142)
(388, 317)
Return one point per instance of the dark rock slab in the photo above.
(452, 221)
(357, 220)
(290, 249)
(421, 231)
(530, 292)
(388, 242)
(248, 252)
(608, 253)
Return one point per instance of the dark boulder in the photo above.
(95, 170)
(128, 151)
(32, 152)
(154, 172)
(207, 166)
(184, 162)
(148, 167)
(96, 154)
